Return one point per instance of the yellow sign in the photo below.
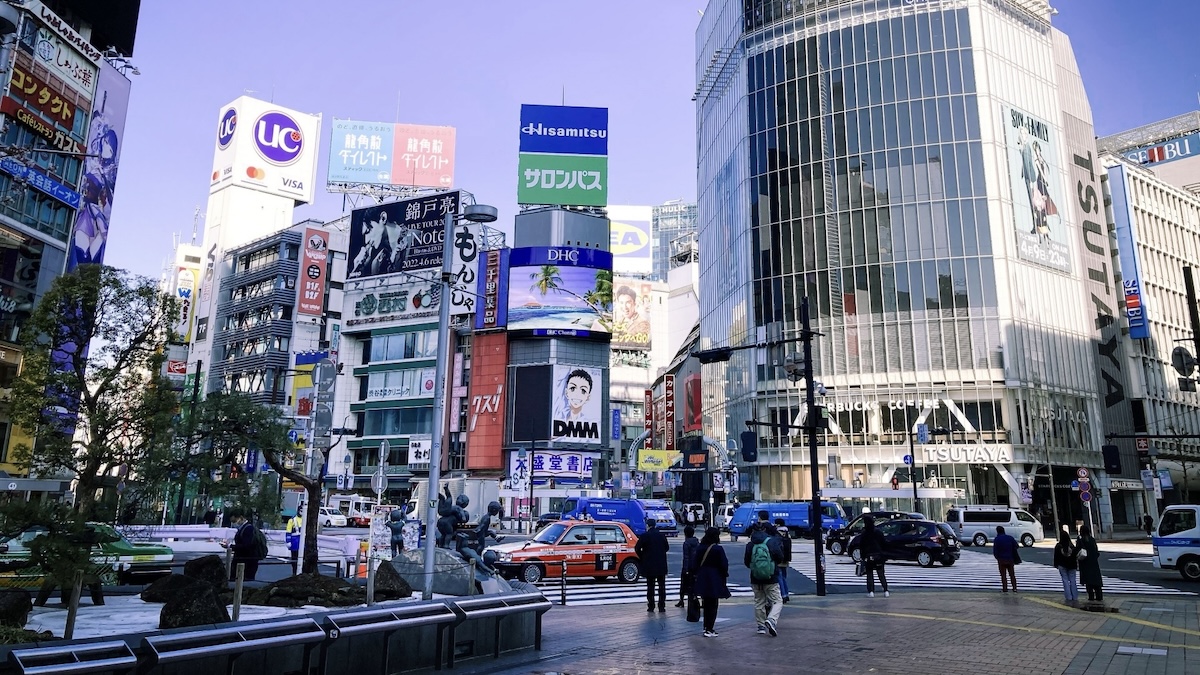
(656, 460)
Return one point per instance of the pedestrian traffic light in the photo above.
(1112, 458)
(749, 446)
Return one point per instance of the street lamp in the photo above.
(476, 213)
(939, 431)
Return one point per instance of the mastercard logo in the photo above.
(216, 174)
(255, 172)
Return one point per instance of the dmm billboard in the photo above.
(560, 291)
(577, 413)
(266, 147)
(382, 153)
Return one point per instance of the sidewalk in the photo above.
(907, 634)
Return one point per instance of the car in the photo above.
(1177, 541)
(631, 512)
(663, 516)
(977, 524)
(922, 541)
(837, 539)
(120, 560)
(599, 550)
(547, 518)
(724, 515)
(330, 517)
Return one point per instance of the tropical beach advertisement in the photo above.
(560, 291)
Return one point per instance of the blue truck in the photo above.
(632, 512)
(794, 515)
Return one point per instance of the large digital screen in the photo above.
(560, 291)
(577, 405)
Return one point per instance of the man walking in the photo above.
(763, 557)
(785, 544)
(651, 551)
(1004, 548)
(246, 547)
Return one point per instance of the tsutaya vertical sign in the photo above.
(669, 415)
(313, 271)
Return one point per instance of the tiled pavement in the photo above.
(910, 633)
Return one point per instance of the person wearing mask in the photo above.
(686, 578)
(651, 549)
(244, 546)
(1089, 564)
(785, 544)
(1004, 549)
(871, 546)
(1067, 564)
(763, 557)
(710, 570)
(294, 526)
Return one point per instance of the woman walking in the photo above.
(1064, 560)
(1089, 564)
(871, 547)
(711, 570)
(686, 578)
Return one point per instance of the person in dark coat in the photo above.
(651, 549)
(1148, 524)
(243, 548)
(870, 547)
(1004, 549)
(1068, 565)
(686, 578)
(1089, 564)
(711, 568)
(785, 544)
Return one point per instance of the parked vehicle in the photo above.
(1177, 541)
(117, 559)
(356, 508)
(631, 512)
(922, 541)
(662, 514)
(977, 524)
(794, 515)
(723, 516)
(547, 518)
(330, 517)
(699, 517)
(837, 540)
(590, 549)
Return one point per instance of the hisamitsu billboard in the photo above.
(564, 130)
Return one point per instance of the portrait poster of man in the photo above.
(631, 314)
(1038, 200)
(402, 236)
(576, 405)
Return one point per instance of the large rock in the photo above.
(210, 568)
(451, 576)
(307, 589)
(389, 585)
(15, 605)
(196, 605)
(165, 588)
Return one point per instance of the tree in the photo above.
(93, 352)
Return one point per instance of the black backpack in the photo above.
(260, 544)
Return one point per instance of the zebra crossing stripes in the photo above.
(593, 592)
(974, 570)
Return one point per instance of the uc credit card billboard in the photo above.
(560, 291)
(266, 147)
(563, 156)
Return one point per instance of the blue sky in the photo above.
(471, 64)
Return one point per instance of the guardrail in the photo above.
(388, 621)
(108, 656)
(344, 545)
(233, 642)
(498, 607)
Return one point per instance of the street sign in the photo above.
(1082, 473)
(341, 481)
(1085, 496)
(324, 373)
(908, 459)
(379, 480)
(922, 433)
(1074, 485)
(1085, 486)
(385, 449)
(294, 436)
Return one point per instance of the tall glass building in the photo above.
(911, 167)
(671, 222)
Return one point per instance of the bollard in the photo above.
(237, 590)
(370, 583)
(73, 605)
(563, 585)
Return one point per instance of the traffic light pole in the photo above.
(810, 398)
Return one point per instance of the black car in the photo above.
(923, 541)
(837, 540)
(547, 518)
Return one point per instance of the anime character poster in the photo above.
(577, 409)
(1037, 192)
(106, 133)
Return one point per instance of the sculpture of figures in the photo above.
(396, 525)
(483, 530)
(453, 513)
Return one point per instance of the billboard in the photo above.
(1037, 191)
(577, 411)
(563, 156)
(629, 239)
(396, 302)
(381, 153)
(303, 391)
(106, 134)
(492, 290)
(313, 270)
(560, 291)
(486, 402)
(60, 58)
(405, 236)
(693, 412)
(669, 412)
(656, 460)
(1179, 148)
(532, 393)
(631, 313)
(187, 282)
(266, 147)
(1131, 269)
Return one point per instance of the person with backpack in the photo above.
(651, 549)
(248, 546)
(763, 557)
(785, 543)
(871, 548)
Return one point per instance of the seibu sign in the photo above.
(968, 454)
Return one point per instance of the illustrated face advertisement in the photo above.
(576, 404)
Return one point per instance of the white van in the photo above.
(1177, 541)
(723, 516)
(977, 524)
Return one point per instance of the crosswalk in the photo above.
(974, 570)
(591, 592)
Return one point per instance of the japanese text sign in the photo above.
(669, 416)
(44, 98)
(313, 272)
(65, 61)
(569, 180)
(381, 153)
(493, 287)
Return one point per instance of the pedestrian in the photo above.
(871, 547)
(1068, 565)
(1089, 564)
(763, 557)
(710, 571)
(245, 547)
(294, 525)
(686, 577)
(1148, 524)
(785, 543)
(651, 549)
(1004, 549)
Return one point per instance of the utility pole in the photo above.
(810, 398)
(187, 451)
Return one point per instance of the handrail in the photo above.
(221, 641)
(83, 658)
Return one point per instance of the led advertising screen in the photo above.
(1037, 191)
(382, 153)
(577, 411)
(560, 291)
(402, 236)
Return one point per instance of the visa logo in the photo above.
(293, 184)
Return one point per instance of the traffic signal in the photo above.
(1112, 458)
(818, 417)
(749, 446)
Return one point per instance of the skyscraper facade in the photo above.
(910, 168)
(671, 222)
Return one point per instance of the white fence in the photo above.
(345, 547)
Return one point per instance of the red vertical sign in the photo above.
(313, 272)
(669, 417)
(648, 413)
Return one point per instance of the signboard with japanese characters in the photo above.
(493, 290)
(381, 153)
(563, 156)
(406, 236)
(553, 463)
(64, 60)
(418, 451)
(40, 182)
(47, 95)
(669, 416)
(58, 139)
(313, 272)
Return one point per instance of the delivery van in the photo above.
(1177, 541)
(794, 515)
(662, 514)
(628, 511)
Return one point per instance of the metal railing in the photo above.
(235, 641)
(498, 607)
(388, 621)
(108, 656)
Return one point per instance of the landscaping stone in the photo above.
(196, 605)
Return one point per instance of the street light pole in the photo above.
(816, 521)
(912, 453)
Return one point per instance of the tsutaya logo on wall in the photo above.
(967, 454)
(267, 148)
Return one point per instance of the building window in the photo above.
(398, 421)
(401, 346)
